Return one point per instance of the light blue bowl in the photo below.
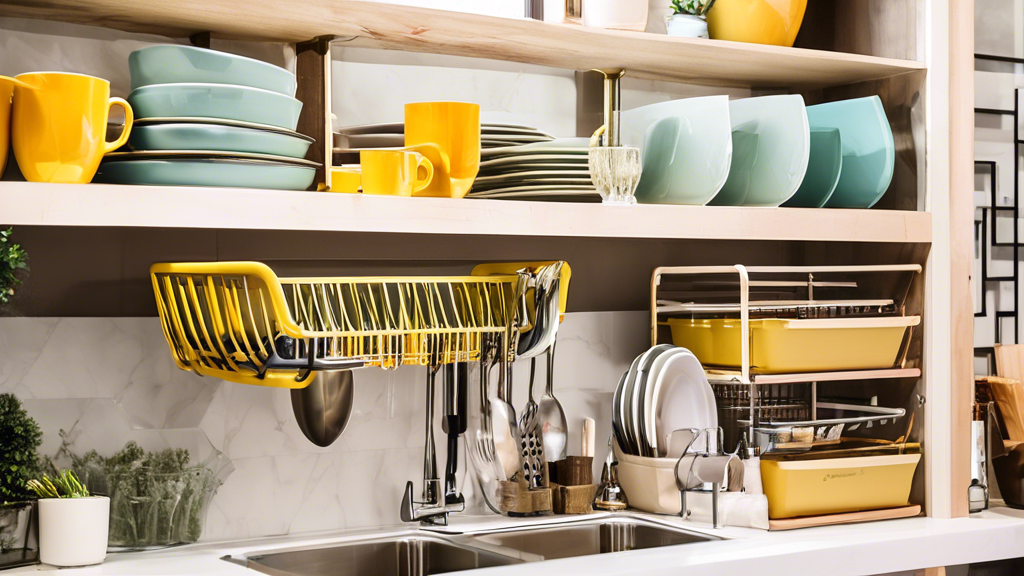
(823, 170)
(220, 138)
(175, 64)
(198, 172)
(216, 101)
(869, 153)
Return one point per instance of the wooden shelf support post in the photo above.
(313, 72)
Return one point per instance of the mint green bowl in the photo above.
(216, 101)
(869, 152)
(187, 136)
(176, 64)
(823, 170)
(199, 172)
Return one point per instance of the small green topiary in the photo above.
(20, 438)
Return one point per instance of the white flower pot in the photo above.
(687, 26)
(73, 531)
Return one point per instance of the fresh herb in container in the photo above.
(72, 524)
(19, 439)
(157, 499)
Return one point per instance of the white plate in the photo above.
(658, 448)
(365, 141)
(495, 170)
(783, 149)
(553, 179)
(625, 408)
(616, 413)
(534, 162)
(538, 188)
(512, 130)
(383, 128)
(639, 391)
(682, 397)
(686, 146)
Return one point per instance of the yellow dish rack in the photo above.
(239, 322)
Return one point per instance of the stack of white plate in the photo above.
(555, 170)
(664, 390)
(351, 139)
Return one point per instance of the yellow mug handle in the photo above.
(426, 165)
(129, 119)
(595, 138)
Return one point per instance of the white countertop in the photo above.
(848, 550)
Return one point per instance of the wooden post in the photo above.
(313, 71)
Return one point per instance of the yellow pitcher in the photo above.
(455, 128)
(59, 125)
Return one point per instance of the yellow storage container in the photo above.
(836, 485)
(779, 345)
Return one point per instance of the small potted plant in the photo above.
(19, 440)
(72, 524)
(687, 19)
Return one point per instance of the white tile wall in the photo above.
(106, 381)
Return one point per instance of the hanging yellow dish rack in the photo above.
(239, 322)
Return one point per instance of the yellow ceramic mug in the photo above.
(59, 126)
(455, 128)
(394, 172)
(6, 91)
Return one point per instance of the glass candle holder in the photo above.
(615, 171)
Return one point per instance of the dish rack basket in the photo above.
(240, 322)
(772, 410)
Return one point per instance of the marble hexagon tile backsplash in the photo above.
(106, 381)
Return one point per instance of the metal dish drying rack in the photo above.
(238, 321)
(780, 413)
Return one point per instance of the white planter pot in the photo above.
(73, 531)
(687, 26)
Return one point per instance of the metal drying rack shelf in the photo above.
(774, 294)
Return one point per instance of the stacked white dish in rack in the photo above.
(555, 170)
(349, 140)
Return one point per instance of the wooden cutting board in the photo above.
(847, 518)
(1010, 361)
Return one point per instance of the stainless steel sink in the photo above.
(404, 556)
(425, 553)
(588, 538)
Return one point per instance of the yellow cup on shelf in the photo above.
(346, 179)
(455, 128)
(59, 126)
(394, 172)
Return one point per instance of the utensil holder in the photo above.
(573, 471)
(573, 499)
(515, 499)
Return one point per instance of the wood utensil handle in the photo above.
(588, 438)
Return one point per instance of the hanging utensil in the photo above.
(532, 446)
(551, 417)
(323, 408)
(455, 422)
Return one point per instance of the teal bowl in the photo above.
(869, 152)
(175, 64)
(209, 172)
(216, 101)
(219, 138)
(823, 170)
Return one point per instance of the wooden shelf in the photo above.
(29, 204)
(413, 29)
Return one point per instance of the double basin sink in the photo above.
(423, 553)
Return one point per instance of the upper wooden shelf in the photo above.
(409, 28)
(29, 204)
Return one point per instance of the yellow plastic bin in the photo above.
(836, 485)
(779, 345)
